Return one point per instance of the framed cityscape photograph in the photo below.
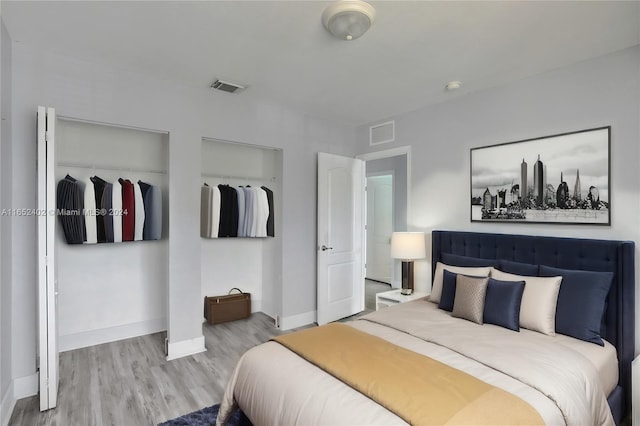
(552, 179)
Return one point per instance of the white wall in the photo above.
(6, 388)
(104, 93)
(599, 92)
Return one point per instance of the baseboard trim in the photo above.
(25, 386)
(7, 406)
(185, 348)
(256, 305)
(293, 321)
(111, 334)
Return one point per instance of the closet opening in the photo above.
(111, 290)
(250, 260)
(97, 281)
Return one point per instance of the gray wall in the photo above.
(99, 92)
(5, 220)
(599, 92)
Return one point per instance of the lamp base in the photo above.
(406, 291)
(407, 277)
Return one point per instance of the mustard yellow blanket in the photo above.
(420, 390)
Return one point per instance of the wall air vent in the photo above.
(382, 133)
(227, 86)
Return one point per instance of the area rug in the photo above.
(207, 416)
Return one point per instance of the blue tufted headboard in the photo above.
(568, 253)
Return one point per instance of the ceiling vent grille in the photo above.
(382, 133)
(227, 86)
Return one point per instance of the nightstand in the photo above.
(393, 297)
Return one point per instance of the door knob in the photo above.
(325, 248)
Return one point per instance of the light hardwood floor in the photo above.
(129, 382)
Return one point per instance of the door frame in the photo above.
(391, 173)
(388, 153)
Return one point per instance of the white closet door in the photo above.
(47, 280)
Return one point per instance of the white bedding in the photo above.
(274, 386)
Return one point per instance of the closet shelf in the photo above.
(110, 168)
(229, 177)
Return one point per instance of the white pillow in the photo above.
(436, 288)
(539, 300)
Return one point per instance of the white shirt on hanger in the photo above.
(90, 222)
(263, 212)
(140, 214)
(241, 227)
(215, 211)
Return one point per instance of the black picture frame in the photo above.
(559, 179)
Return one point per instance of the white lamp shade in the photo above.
(407, 245)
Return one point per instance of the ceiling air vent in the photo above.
(227, 86)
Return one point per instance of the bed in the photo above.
(565, 380)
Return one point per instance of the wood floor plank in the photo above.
(130, 382)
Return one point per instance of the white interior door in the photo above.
(47, 280)
(379, 227)
(340, 237)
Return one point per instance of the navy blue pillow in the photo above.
(581, 302)
(518, 268)
(502, 303)
(466, 261)
(448, 291)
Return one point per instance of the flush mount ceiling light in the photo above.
(348, 19)
(453, 85)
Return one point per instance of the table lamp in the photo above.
(407, 246)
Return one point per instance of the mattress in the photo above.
(565, 381)
(604, 359)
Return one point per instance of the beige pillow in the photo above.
(469, 301)
(539, 300)
(436, 288)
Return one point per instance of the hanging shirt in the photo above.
(240, 196)
(90, 213)
(70, 203)
(128, 210)
(139, 213)
(107, 211)
(249, 197)
(98, 185)
(228, 212)
(152, 197)
(116, 206)
(153, 226)
(262, 212)
(271, 219)
(206, 198)
(215, 212)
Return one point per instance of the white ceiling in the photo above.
(282, 52)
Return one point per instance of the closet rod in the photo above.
(250, 145)
(212, 175)
(110, 168)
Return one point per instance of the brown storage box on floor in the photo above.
(231, 307)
